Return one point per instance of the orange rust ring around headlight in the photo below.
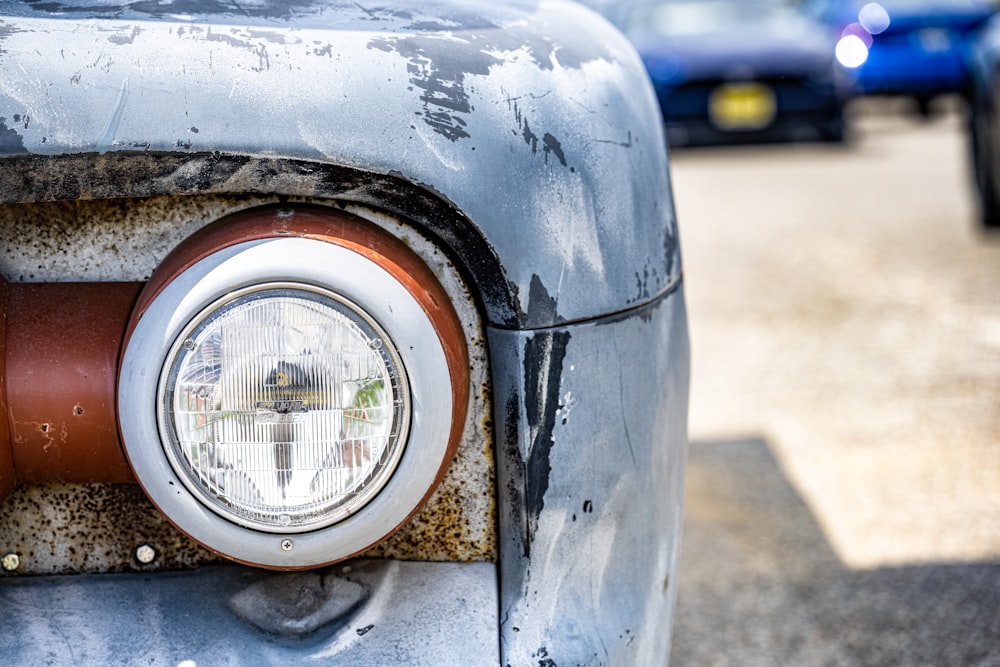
(349, 233)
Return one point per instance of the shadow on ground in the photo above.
(759, 584)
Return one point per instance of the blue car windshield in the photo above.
(680, 18)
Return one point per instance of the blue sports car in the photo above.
(729, 71)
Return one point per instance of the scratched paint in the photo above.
(539, 100)
(591, 505)
(441, 68)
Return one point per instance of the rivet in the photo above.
(145, 554)
(11, 562)
(286, 545)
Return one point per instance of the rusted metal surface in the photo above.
(63, 341)
(7, 476)
(458, 521)
(144, 187)
(64, 528)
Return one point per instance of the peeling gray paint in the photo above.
(586, 553)
(440, 64)
(119, 176)
(523, 117)
(185, 618)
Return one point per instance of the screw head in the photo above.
(286, 545)
(11, 562)
(145, 554)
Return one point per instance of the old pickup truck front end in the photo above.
(335, 334)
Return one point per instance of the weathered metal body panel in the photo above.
(591, 428)
(370, 613)
(535, 119)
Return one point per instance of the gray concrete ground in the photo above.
(843, 499)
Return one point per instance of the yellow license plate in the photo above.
(742, 106)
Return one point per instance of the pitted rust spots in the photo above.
(64, 528)
(83, 240)
(459, 521)
(445, 529)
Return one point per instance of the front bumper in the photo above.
(369, 612)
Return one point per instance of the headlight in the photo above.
(289, 396)
(283, 407)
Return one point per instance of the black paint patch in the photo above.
(515, 466)
(530, 137)
(543, 658)
(541, 306)
(544, 354)
(259, 50)
(125, 38)
(6, 30)
(438, 69)
(11, 143)
(551, 145)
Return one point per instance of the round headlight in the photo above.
(292, 388)
(283, 407)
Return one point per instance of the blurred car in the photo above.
(913, 48)
(984, 121)
(335, 334)
(729, 71)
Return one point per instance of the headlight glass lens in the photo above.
(284, 407)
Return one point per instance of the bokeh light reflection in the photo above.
(852, 51)
(874, 18)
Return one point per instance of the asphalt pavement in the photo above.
(843, 494)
